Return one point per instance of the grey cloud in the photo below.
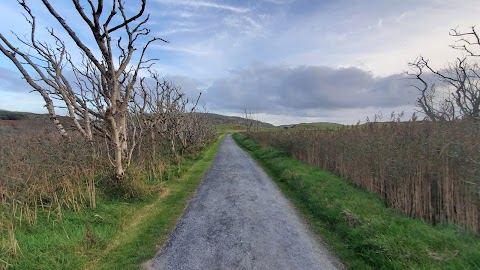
(281, 90)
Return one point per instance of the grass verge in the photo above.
(229, 128)
(357, 226)
(118, 234)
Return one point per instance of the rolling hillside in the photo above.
(214, 119)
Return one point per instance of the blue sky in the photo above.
(288, 61)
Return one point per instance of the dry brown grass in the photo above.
(423, 169)
(13, 123)
(41, 171)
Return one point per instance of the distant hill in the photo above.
(315, 125)
(8, 115)
(214, 119)
(217, 119)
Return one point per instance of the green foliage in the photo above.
(357, 225)
(63, 244)
(233, 128)
(247, 143)
(131, 187)
(229, 128)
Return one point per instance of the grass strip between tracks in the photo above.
(357, 226)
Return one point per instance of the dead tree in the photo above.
(434, 107)
(97, 89)
(249, 118)
(460, 82)
(168, 114)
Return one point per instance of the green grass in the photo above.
(234, 128)
(358, 227)
(229, 128)
(124, 234)
(54, 244)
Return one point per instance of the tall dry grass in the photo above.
(423, 169)
(42, 172)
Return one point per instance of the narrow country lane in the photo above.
(239, 219)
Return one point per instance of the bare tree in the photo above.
(97, 89)
(434, 107)
(460, 79)
(170, 116)
(249, 118)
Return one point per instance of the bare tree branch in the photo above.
(461, 77)
(98, 97)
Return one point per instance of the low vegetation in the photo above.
(357, 225)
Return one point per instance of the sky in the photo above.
(287, 61)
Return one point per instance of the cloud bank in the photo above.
(304, 90)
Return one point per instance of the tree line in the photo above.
(105, 82)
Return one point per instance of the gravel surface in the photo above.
(239, 219)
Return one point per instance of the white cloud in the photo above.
(188, 50)
(245, 25)
(204, 4)
(172, 31)
(278, 2)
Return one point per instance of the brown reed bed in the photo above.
(424, 169)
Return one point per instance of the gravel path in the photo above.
(239, 219)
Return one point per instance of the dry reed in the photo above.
(423, 169)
